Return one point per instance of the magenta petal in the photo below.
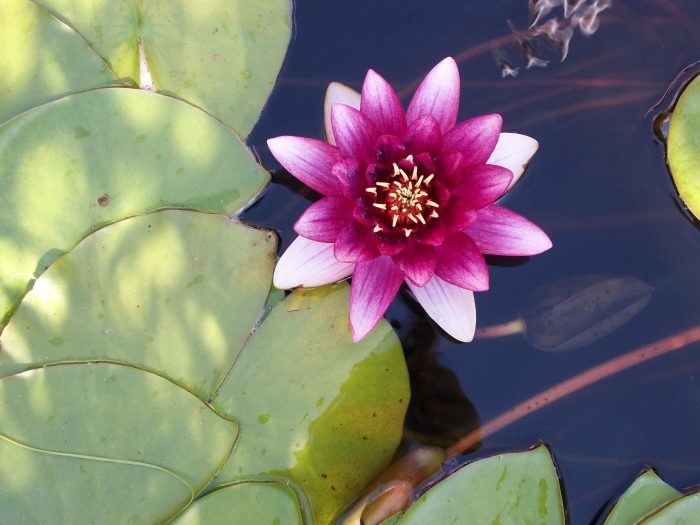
(355, 244)
(389, 149)
(437, 95)
(380, 103)
(449, 168)
(475, 138)
(459, 214)
(374, 285)
(481, 185)
(460, 263)
(309, 263)
(417, 262)
(449, 306)
(309, 160)
(499, 231)
(355, 134)
(350, 177)
(324, 220)
(424, 135)
(433, 234)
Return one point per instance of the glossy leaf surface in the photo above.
(682, 511)
(86, 160)
(508, 489)
(221, 55)
(42, 59)
(683, 146)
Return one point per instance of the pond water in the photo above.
(598, 186)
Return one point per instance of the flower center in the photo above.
(404, 200)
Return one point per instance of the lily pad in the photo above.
(103, 443)
(508, 489)
(178, 293)
(644, 495)
(683, 146)
(75, 164)
(253, 503)
(682, 511)
(42, 59)
(222, 55)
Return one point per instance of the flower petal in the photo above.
(513, 151)
(350, 177)
(481, 185)
(449, 306)
(309, 160)
(309, 263)
(499, 231)
(381, 104)
(450, 166)
(374, 285)
(459, 214)
(475, 138)
(460, 263)
(424, 135)
(337, 93)
(355, 134)
(437, 95)
(417, 262)
(355, 244)
(325, 219)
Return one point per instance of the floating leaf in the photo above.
(42, 59)
(178, 292)
(578, 311)
(683, 146)
(682, 511)
(508, 488)
(103, 443)
(644, 495)
(80, 162)
(222, 55)
(251, 503)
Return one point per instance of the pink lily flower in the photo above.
(407, 197)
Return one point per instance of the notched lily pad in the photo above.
(647, 493)
(222, 55)
(683, 146)
(73, 165)
(681, 511)
(103, 443)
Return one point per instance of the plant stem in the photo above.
(582, 380)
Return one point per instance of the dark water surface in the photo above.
(598, 186)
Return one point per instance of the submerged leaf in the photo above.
(578, 311)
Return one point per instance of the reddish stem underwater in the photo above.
(578, 382)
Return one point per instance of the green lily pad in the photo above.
(42, 59)
(508, 489)
(683, 146)
(103, 443)
(682, 511)
(75, 164)
(222, 55)
(253, 503)
(644, 495)
(178, 293)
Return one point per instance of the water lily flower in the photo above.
(407, 197)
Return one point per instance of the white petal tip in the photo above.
(337, 93)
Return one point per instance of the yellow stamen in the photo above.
(407, 232)
(421, 219)
(403, 174)
(371, 190)
(392, 195)
(409, 158)
(383, 184)
(398, 184)
(431, 203)
(434, 215)
(394, 220)
(410, 216)
(396, 169)
(419, 207)
(420, 179)
(414, 175)
(380, 206)
(377, 228)
(429, 178)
